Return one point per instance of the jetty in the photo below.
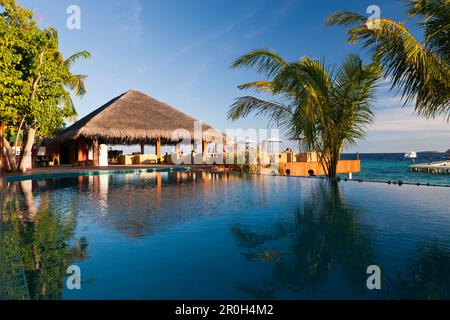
(442, 167)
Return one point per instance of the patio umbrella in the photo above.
(248, 142)
(273, 140)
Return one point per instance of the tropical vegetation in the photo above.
(37, 245)
(326, 108)
(35, 81)
(418, 68)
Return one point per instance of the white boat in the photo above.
(411, 155)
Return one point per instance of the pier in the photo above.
(442, 167)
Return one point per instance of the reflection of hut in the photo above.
(129, 119)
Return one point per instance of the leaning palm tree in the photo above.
(420, 70)
(75, 84)
(328, 108)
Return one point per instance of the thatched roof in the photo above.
(134, 117)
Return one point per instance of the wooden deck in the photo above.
(302, 169)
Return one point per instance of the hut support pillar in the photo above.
(142, 148)
(96, 152)
(204, 145)
(81, 151)
(158, 149)
(177, 148)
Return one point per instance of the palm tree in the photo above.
(328, 107)
(420, 70)
(75, 82)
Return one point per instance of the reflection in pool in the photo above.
(197, 235)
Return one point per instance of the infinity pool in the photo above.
(197, 235)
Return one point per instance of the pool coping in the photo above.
(71, 172)
(339, 179)
(89, 172)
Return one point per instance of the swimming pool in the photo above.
(198, 235)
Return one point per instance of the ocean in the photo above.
(394, 167)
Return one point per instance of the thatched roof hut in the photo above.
(135, 118)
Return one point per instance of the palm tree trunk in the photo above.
(26, 162)
(332, 168)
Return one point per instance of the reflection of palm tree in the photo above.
(43, 245)
(427, 276)
(323, 238)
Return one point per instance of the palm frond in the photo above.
(276, 112)
(419, 71)
(69, 107)
(76, 84)
(435, 23)
(344, 18)
(264, 61)
(73, 58)
(258, 86)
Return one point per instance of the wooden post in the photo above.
(177, 148)
(82, 152)
(158, 149)
(96, 153)
(204, 146)
(142, 148)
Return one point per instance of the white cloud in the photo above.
(131, 25)
(275, 17)
(215, 35)
(399, 130)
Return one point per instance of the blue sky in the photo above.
(180, 51)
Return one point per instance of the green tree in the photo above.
(15, 31)
(327, 107)
(36, 86)
(419, 69)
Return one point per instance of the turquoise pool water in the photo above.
(75, 174)
(193, 235)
